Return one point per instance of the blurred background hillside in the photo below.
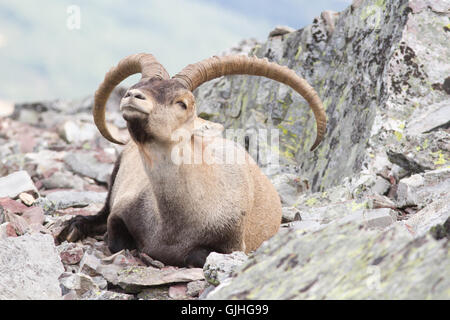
(46, 52)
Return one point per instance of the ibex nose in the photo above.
(135, 93)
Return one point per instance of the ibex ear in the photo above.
(206, 129)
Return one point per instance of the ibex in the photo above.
(180, 212)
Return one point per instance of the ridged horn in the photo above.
(196, 74)
(143, 63)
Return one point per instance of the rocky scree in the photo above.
(366, 215)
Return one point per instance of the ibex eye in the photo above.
(182, 104)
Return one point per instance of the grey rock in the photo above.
(365, 184)
(63, 180)
(381, 186)
(378, 201)
(37, 112)
(110, 272)
(380, 218)
(406, 195)
(289, 187)
(441, 231)
(329, 17)
(78, 131)
(90, 264)
(154, 293)
(86, 164)
(204, 295)
(423, 152)
(387, 70)
(436, 116)
(397, 172)
(407, 162)
(71, 295)
(313, 210)
(46, 160)
(100, 282)
(243, 47)
(15, 183)
(70, 253)
(67, 199)
(343, 262)
(178, 291)
(195, 288)
(79, 282)
(106, 295)
(437, 176)
(432, 214)
(315, 218)
(290, 214)
(218, 266)
(304, 226)
(429, 192)
(414, 181)
(369, 218)
(30, 267)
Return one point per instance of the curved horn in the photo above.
(143, 63)
(196, 74)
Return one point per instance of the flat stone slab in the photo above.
(134, 279)
(68, 199)
(436, 117)
(86, 164)
(15, 183)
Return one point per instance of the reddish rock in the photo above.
(19, 224)
(12, 205)
(34, 215)
(10, 230)
(38, 184)
(27, 142)
(178, 291)
(70, 253)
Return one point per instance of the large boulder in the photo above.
(343, 261)
(29, 268)
(379, 68)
